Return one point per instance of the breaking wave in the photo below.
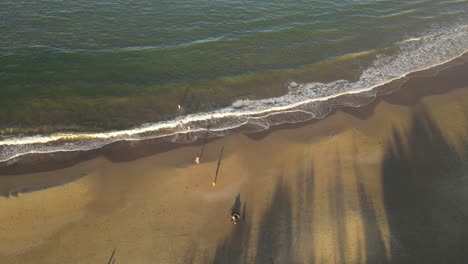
(304, 101)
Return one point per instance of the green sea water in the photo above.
(110, 65)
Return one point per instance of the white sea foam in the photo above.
(410, 40)
(303, 101)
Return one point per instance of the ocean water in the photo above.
(77, 75)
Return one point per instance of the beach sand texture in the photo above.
(384, 183)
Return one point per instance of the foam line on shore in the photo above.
(416, 54)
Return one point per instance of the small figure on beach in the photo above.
(235, 218)
(235, 210)
(197, 160)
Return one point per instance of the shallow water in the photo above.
(81, 66)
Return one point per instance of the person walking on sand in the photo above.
(197, 160)
(235, 218)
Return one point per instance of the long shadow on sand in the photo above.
(275, 234)
(234, 248)
(425, 183)
(424, 190)
(274, 244)
(236, 207)
(282, 237)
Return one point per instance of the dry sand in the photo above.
(392, 187)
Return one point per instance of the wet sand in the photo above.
(382, 183)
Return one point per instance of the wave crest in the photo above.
(304, 101)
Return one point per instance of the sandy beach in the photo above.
(384, 183)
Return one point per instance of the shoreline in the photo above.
(395, 92)
(304, 101)
(149, 110)
(360, 188)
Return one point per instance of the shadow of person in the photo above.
(236, 208)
